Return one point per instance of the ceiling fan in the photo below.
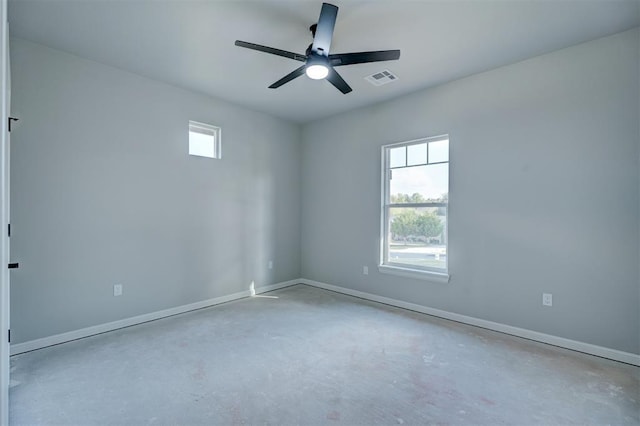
(318, 62)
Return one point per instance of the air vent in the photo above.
(380, 78)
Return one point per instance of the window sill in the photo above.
(414, 273)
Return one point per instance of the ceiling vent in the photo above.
(380, 78)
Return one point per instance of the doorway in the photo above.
(4, 214)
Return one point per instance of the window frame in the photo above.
(209, 130)
(403, 269)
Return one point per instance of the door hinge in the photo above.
(8, 229)
(9, 336)
(13, 265)
(11, 119)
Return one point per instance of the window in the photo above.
(415, 180)
(204, 140)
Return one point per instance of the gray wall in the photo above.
(544, 196)
(103, 192)
(544, 193)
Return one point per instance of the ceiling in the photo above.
(191, 43)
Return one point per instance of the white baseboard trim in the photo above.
(127, 322)
(587, 348)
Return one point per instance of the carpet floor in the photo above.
(306, 356)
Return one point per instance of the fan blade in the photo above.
(324, 30)
(271, 50)
(287, 78)
(363, 57)
(335, 79)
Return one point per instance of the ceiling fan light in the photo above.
(317, 71)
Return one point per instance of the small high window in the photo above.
(204, 140)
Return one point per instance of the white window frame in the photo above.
(209, 130)
(406, 270)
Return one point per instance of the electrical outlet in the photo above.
(117, 290)
(365, 270)
(547, 299)
(271, 264)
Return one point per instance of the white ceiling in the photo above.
(191, 43)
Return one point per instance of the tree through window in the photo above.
(415, 203)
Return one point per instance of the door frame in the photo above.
(4, 215)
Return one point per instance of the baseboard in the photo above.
(587, 348)
(128, 322)
(277, 286)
